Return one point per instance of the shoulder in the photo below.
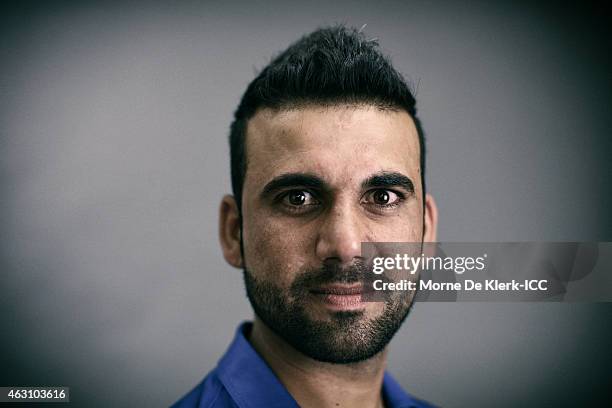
(210, 393)
(396, 397)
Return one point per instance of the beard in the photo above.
(347, 336)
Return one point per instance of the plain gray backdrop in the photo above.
(114, 157)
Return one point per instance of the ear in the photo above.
(229, 231)
(431, 219)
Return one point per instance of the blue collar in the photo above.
(251, 382)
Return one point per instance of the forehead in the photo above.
(338, 143)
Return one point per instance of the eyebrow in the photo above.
(384, 179)
(388, 179)
(293, 180)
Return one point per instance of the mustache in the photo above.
(330, 273)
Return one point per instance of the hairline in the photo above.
(326, 105)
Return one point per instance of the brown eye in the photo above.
(299, 198)
(382, 198)
(296, 197)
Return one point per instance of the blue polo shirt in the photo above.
(242, 379)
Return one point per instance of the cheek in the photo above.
(406, 226)
(272, 253)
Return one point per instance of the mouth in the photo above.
(340, 297)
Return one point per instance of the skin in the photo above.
(342, 146)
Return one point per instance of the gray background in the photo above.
(113, 126)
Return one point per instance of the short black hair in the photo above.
(330, 66)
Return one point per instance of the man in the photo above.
(326, 153)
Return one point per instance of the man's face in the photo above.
(320, 181)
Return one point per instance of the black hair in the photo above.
(330, 66)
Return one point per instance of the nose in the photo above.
(340, 236)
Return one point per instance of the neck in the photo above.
(316, 384)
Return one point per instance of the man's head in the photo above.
(326, 153)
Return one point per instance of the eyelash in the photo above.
(297, 209)
(400, 198)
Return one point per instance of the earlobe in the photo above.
(430, 234)
(229, 231)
